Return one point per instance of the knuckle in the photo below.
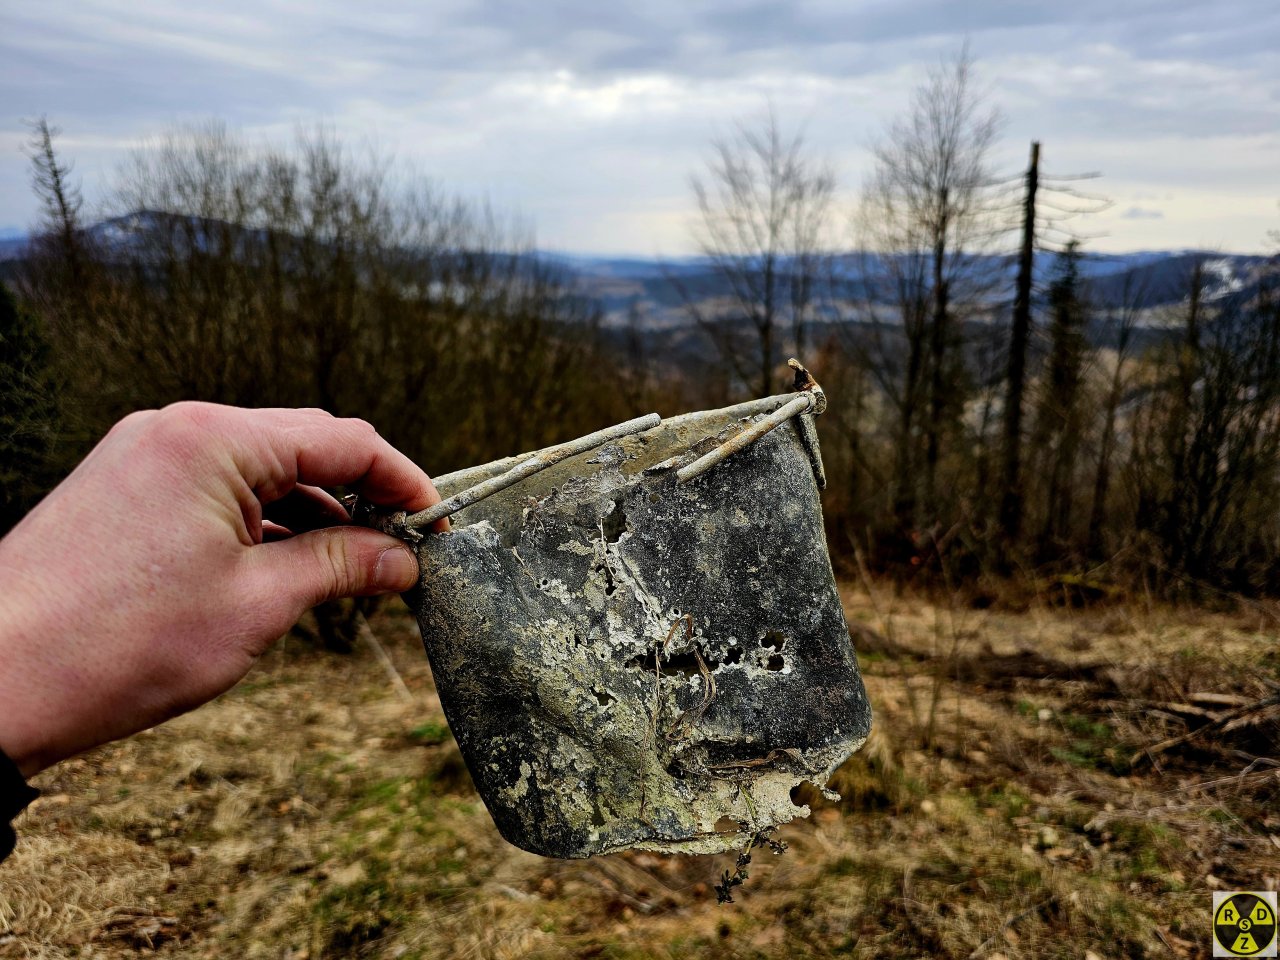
(183, 426)
(131, 422)
(173, 429)
(344, 575)
(360, 426)
(190, 413)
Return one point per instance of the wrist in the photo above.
(25, 753)
(25, 727)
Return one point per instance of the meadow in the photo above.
(1050, 782)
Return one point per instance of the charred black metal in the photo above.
(630, 662)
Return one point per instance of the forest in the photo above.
(1000, 421)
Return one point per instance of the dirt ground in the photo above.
(1058, 783)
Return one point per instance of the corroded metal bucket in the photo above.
(643, 645)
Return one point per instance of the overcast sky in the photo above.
(588, 117)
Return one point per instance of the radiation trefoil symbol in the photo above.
(1244, 924)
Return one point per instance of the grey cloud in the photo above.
(582, 110)
(298, 57)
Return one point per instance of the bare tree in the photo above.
(304, 275)
(926, 211)
(764, 207)
(1120, 324)
(1203, 464)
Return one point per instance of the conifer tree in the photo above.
(28, 411)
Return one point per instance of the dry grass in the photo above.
(994, 813)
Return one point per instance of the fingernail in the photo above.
(397, 569)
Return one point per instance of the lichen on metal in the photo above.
(631, 662)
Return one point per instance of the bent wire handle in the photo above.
(808, 401)
(526, 468)
(458, 480)
(801, 403)
(409, 526)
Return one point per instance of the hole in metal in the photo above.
(773, 640)
(615, 524)
(680, 665)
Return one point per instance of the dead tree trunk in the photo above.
(939, 335)
(1011, 499)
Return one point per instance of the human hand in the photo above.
(150, 580)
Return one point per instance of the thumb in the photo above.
(321, 565)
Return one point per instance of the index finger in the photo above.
(299, 446)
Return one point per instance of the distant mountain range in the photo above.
(1146, 279)
(656, 289)
(12, 246)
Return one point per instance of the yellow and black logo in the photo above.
(1244, 924)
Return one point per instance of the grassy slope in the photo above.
(310, 813)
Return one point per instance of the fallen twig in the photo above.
(397, 682)
(1034, 908)
(1245, 778)
(1225, 723)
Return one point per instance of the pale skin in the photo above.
(181, 548)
